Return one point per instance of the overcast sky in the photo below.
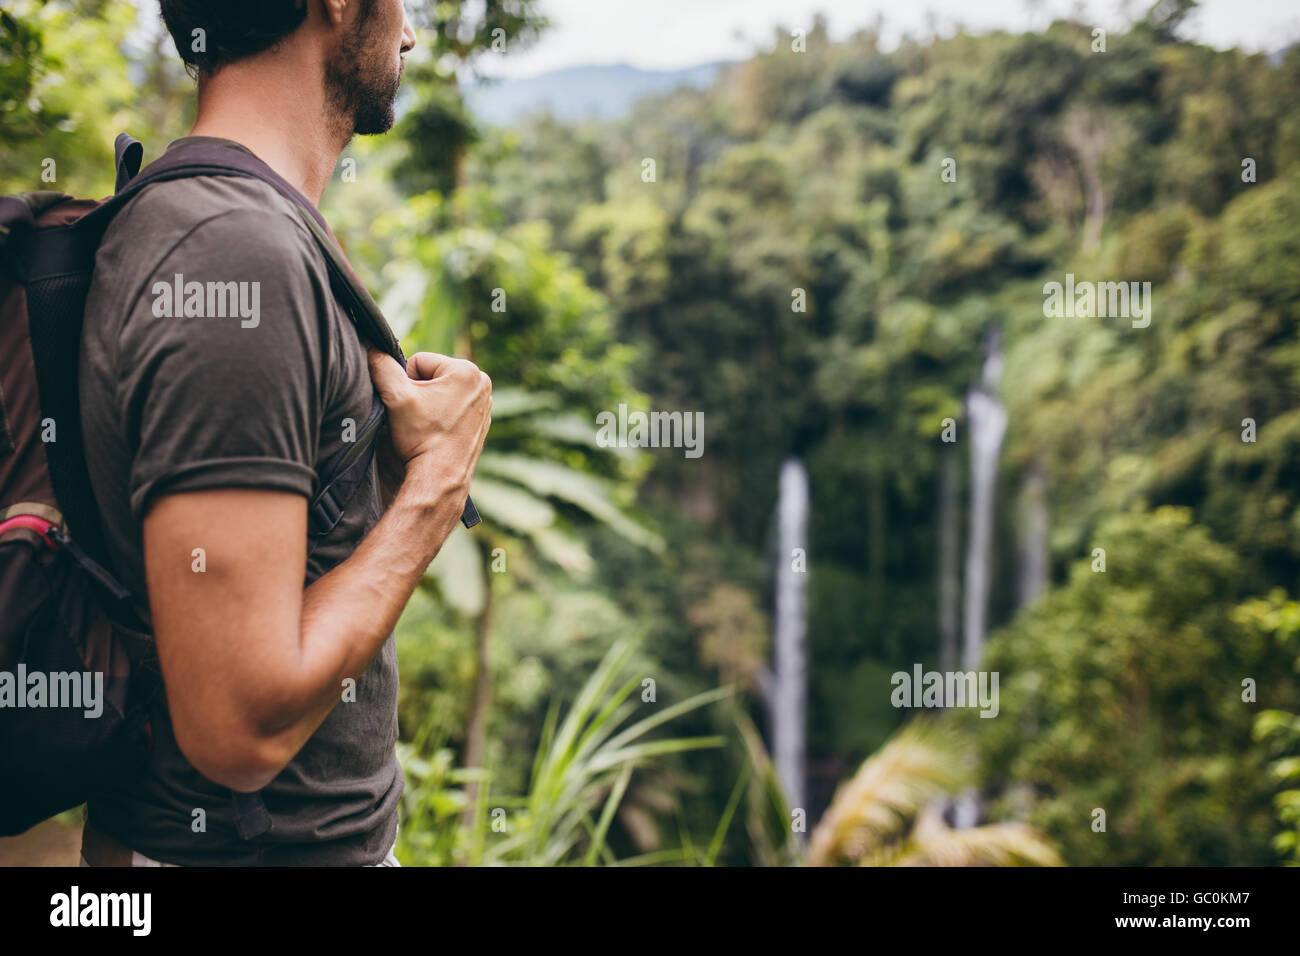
(670, 34)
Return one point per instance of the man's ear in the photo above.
(336, 11)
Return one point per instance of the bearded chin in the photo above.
(375, 113)
(361, 100)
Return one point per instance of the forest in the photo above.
(855, 275)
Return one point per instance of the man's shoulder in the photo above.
(233, 214)
(218, 245)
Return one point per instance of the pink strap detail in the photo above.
(32, 523)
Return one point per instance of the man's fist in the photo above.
(439, 410)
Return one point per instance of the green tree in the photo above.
(1123, 692)
(64, 87)
(437, 129)
(527, 317)
(1279, 730)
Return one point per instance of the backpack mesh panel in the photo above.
(55, 306)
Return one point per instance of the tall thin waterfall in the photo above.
(790, 678)
(987, 424)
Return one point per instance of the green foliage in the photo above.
(436, 128)
(523, 312)
(580, 777)
(822, 174)
(1123, 690)
(64, 87)
(1279, 730)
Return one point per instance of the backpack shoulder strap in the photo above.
(341, 475)
(129, 153)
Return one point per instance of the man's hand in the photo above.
(439, 411)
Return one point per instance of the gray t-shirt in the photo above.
(177, 401)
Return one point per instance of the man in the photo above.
(204, 436)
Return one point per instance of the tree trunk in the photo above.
(877, 536)
(480, 705)
(949, 556)
(1034, 525)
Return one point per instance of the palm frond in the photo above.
(891, 787)
(890, 813)
(549, 479)
(934, 843)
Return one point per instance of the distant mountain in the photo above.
(602, 92)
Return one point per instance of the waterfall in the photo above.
(789, 685)
(987, 422)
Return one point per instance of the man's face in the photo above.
(363, 73)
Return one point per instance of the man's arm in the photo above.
(253, 663)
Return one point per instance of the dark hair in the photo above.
(232, 29)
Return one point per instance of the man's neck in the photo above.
(291, 132)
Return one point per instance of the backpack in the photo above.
(66, 622)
